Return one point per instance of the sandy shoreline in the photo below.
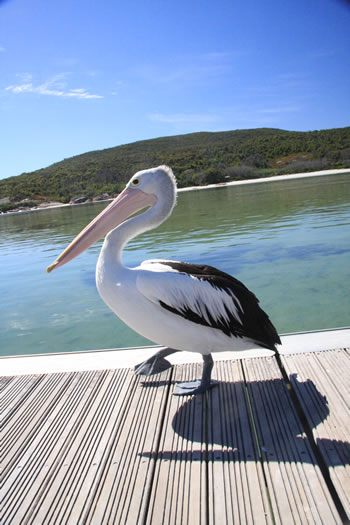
(208, 186)
(268, 179)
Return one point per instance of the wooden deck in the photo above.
(270, 444)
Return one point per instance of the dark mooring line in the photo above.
(308, 431)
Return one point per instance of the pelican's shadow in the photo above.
(252, 420)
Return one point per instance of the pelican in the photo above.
(180, 306)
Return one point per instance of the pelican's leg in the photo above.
(197, 387)
(155, 364)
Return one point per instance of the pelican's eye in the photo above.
(135, 182)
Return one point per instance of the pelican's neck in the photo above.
(117, 239)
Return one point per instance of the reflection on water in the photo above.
(288, 241)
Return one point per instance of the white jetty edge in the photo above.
(129, 357)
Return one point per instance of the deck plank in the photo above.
(77, 449)
(10, 387)
(298, 492)
(179, 488)
(27, 488)
(322, 384)
(27, 413)
(106, 446)
(237, 492)
(15, 393)
(125, 481)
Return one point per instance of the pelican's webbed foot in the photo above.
(155, 364)
(198, 387)
(193, 387)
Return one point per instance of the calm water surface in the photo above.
(287, 241)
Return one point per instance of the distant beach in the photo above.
(268, 179)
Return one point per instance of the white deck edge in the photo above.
(128, 357)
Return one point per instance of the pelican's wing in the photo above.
(204, 295)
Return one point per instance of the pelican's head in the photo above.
(152, 188)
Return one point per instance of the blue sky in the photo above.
(82, 75)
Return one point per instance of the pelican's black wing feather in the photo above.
(255, 323)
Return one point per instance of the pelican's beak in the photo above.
(126, 204)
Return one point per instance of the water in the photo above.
(287, 241)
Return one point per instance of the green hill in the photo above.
(196, 158)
